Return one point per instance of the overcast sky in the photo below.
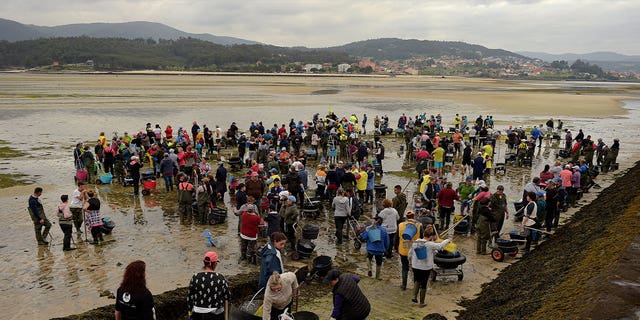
(553, 26)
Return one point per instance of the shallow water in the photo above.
(45, 115)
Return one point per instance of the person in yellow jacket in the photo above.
(404, 245)
(456, 121)
(361, 181)
(425, 181)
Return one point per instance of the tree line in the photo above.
(137, 54)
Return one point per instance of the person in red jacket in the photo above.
(249, 226)
(446, 197)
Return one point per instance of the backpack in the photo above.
(356, 208)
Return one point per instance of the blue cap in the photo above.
(292, 198)
(541, 193)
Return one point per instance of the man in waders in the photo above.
(77, 202)
(185, 198)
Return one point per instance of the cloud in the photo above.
(535, 25)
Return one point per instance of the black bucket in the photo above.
(322, 265)
(446, 260)
(310, 232)
(305, 247)
(305, 315)
(217, 216)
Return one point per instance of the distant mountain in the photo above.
(399, 49)
(14, 31)
(593, 56)
(609, 61)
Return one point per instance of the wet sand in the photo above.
(53, 112)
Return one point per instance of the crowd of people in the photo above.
(276, 181)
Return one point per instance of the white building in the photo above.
(308, 67)
(343, 67)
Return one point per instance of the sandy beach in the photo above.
(45, 115)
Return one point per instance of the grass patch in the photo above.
(6, 152)
(11, 180)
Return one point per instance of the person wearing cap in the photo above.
(289, 213)
(405, 245)
(378, 243)
(133, 298)
(133, 170)
(271, 257)
(209, 293)
(250, 223)
(279, 294)
(499, 208)
(422, 266)
(349, 302)
(274, 193)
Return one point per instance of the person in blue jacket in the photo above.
(377, 240)
(537, 135)
(271, 258)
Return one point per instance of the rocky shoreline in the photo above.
(588, 269)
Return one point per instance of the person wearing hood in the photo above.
(479, 166)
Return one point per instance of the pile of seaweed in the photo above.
(564, 277)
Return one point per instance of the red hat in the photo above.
(210, 257)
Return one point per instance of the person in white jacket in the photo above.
(421, 257)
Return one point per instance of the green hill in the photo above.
(136, 54)
(399, 49)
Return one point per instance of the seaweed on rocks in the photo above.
(172, 304)
(555, 279)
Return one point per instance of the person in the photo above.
(342, 210)
(546, 174)
(271, 258)
(133, 170)
(422, 265)
(250, 223)
(483, 226)
(479, 166)
(404, 245)
(65, 221)
(499, 208)
(529, 220)
(438, 159)
(390, 219)
(399, 202)
(167, 168)
(464, 192)
(133, 298)
(349, 302)
(289, 213)
(40, 221)
(209, 294)
(203, 200)
(77, 202)
(378, 244)
(93, 218)
(552, 199)
(445, 198)
(279, 294)
(185, 197)
(255, 188)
